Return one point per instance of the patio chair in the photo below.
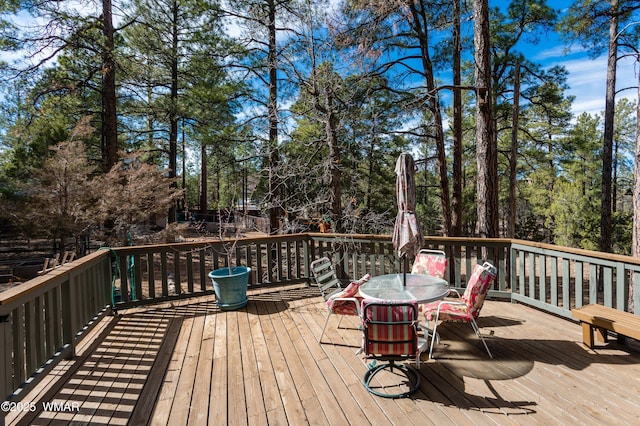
(430, 262)
(390, 333)
(465, 310)
(339, 300)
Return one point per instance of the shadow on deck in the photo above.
(189, 362)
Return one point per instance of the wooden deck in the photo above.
(189, 363)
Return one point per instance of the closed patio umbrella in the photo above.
(407, 236)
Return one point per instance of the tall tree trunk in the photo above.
(513, 161)
(110, 118)
(487, 180)
(456, 220)
(173, 114)
(609, 117)
(456, 202)
(420, 23)
(184, 172)
(369, 185)
(274, 156)
(204, 189)
(335, 161)
(614, 178)
(150, 119)
(635, 244)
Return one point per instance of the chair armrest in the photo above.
(454, 291)
(448, 302)
(355, 300)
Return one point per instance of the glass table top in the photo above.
(423, 288)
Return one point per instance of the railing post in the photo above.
(6, 362)
(513, 256)
(636, 291)
(621, 290)
(307, 256)
(69, 318)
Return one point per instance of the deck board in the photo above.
(190, 363)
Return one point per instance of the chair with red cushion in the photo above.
(339, 300)
(465, 310)
(390, 333)
(430, 262)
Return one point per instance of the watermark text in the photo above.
(57, 406)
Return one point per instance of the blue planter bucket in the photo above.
(231, 289)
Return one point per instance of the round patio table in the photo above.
(419, 287)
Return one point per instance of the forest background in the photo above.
(115, 111)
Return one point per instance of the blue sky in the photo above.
(587, 76)
(587, 79)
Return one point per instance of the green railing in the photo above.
(42, 320)
(557, 279)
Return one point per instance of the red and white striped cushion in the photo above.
(398, 337)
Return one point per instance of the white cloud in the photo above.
(587, 82)
(555, 53)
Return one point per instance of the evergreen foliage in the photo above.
(302, 110)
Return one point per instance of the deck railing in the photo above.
(42, 320)
(557, 279)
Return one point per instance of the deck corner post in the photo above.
(6, 362)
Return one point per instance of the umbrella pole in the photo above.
(405, 265)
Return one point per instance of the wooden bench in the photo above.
(600, 318)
